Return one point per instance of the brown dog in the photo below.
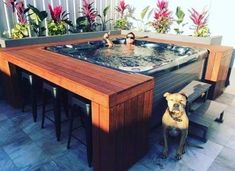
(175, 120)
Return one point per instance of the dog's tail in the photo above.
(194, 145)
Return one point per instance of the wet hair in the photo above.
(131, 34)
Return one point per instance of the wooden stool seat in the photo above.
(28, 79)
(58, 95)
(205, 115)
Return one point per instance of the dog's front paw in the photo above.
(178, 156)
(164, 155)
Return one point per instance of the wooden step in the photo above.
(195, 89)
(204, 116)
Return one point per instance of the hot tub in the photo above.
(172, 66)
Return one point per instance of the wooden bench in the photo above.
(203, 117)
(202, 112)
(195, 90)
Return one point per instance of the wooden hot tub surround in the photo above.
(121, 102)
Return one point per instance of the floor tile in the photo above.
(24, 152)
(153, 161)
(47, 166)
(6, 164)
(51, 146)
(139, 167)
(35, 131)
(224, 161)
(231, 142)
(10, 133)
(70, 161)
(220, 133)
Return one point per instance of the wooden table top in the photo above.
(92, 81)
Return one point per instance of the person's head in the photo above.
(130, 38)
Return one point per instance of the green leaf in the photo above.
(105, 11)
(180, 15)
(143, 12)
(43, 15)
(149, 14)
(179, 21)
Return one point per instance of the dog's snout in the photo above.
(176, 105)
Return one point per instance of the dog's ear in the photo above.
(166, 94)
(183, 94)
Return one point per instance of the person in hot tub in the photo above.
(130, 38)
(107, 40)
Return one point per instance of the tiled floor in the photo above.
(25, 146)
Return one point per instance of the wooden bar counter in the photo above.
(121, 102)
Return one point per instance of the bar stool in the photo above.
(28, 80)
(84, 113)
(58, 96)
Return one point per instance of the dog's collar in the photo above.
(177, 119)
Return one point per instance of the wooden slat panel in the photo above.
(107, 138)
(216, 67)
(147, 114)
(210, 62)
(142, 137)
(96, 135)
(132, 126)
(127, 141)
(120, 136)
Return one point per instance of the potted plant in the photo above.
(58, 22)
(103, 18)
(162, 17)
(200, 23)
(20, 29)
(179, 20)
(36, 18)
(122, 22)
(163, 20)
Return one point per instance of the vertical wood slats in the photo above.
(70, 5)
(223, 66)
(96, 135)
(120, 136)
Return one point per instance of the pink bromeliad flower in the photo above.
(10, 4)
(162, 16)
(199, 19)
(55, 12)
(162, 10)
(19, 8)
(89, 11)
(20, 12)
(122, 6)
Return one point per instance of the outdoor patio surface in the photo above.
(25, 146)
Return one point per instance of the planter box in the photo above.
(4, 42)
(213, 40)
